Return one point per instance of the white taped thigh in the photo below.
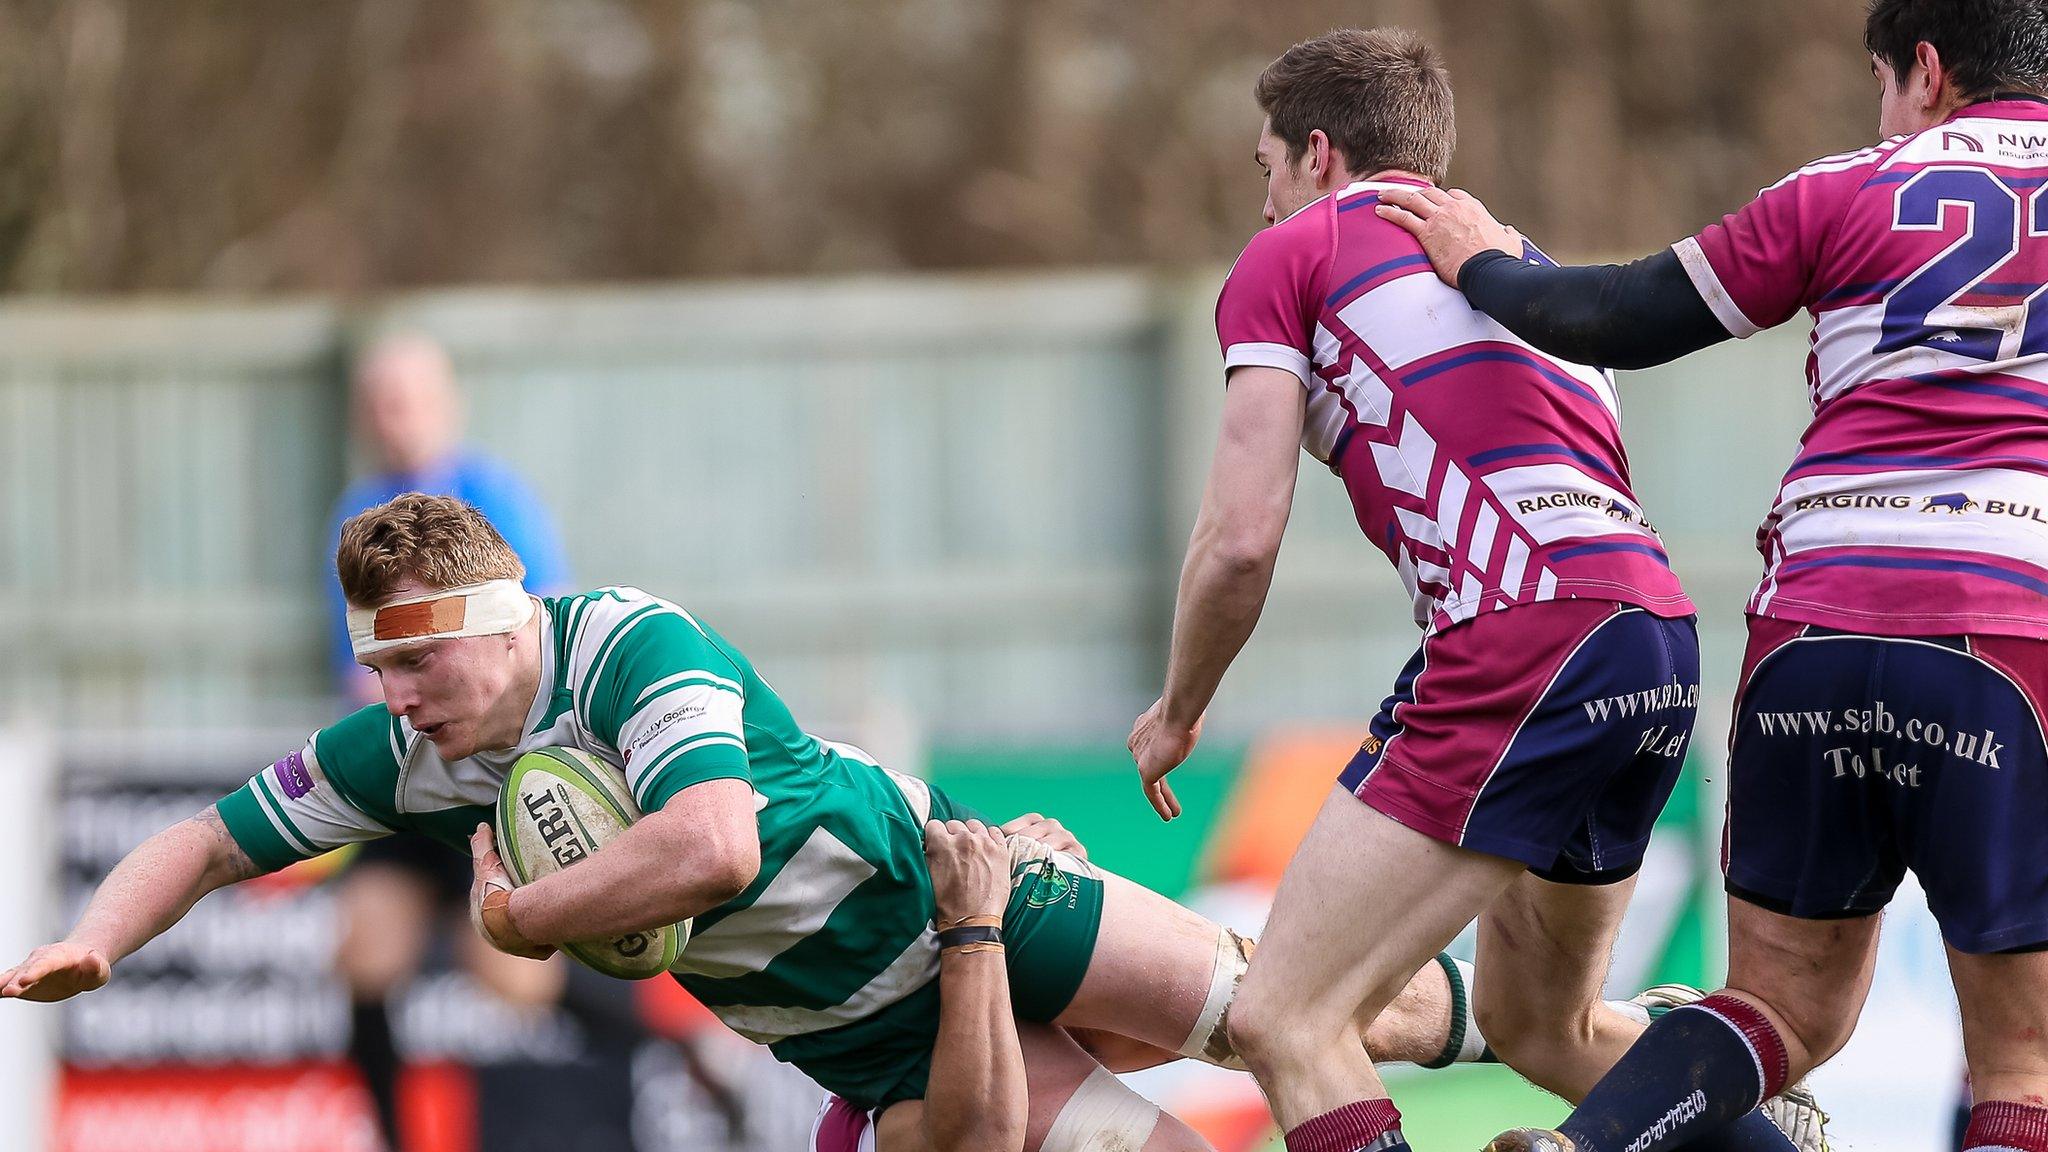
(1209, 1040)
(1102, 1116)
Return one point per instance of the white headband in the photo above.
(491, 608)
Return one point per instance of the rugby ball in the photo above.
(558, 806)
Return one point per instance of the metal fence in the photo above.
(960, 500)
(163, 474)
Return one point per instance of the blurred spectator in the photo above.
(409, 420)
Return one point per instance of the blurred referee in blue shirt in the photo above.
(409, 417)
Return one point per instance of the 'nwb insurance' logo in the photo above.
(1952, 141)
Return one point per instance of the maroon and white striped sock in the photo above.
(1361, 1126)
(2005, 1124)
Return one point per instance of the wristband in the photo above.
(969, 935)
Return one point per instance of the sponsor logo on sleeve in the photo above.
(663, 723)
(292, 775)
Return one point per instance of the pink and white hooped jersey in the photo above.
(1918, 504)
(1489, 473)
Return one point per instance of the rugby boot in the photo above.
(1532, 1140)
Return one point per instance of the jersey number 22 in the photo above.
(1923, 310)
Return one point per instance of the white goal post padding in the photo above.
(27, 880)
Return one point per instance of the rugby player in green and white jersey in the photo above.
(802, 862)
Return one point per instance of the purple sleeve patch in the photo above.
(292, 775)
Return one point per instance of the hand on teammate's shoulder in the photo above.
(1451, 225)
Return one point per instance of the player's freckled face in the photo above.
(464, 694)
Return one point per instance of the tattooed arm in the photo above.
(147, 892)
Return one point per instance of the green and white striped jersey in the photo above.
(834, 930)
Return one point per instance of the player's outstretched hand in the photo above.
(1046, 831)
(55, 972)
(1159, 746)
(490, 899)
(1452, 226)
(970, 866)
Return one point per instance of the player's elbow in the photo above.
(699, 866)
(1243, 556)
(717, 871)
(730, 871)
(1240, 542)
(222, 860)
(694, 888)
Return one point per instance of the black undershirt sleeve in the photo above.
(1609, 315)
